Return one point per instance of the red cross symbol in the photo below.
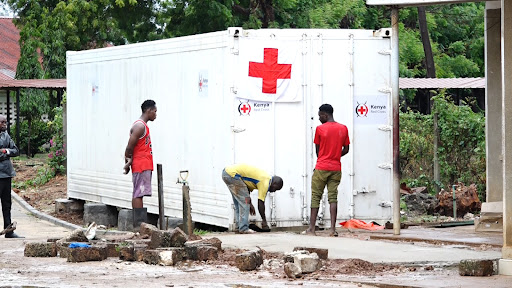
(362, 110)
(270, 70)
(244, 108)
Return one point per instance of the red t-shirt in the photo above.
(331, 136)
(142, 152)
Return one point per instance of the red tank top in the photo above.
(142, 153)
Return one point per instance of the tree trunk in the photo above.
(29, 133)
(431, 73)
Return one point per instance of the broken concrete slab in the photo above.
(76, 235)
(322, 253)
(476, 267)
(210, 241)
(169, 238)
(147, 229)
(288, 257)
(249, 260)
(292, 270)
(68, 205)
(201, 252)
(81, 254)
(126, 251)
(308, 263)
(171, 256)
(151, 257)
(45, 249)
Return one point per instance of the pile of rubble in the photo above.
(168, 248)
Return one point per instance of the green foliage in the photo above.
(200, 232)
(57, 156)
(461, 146)
(39, 135)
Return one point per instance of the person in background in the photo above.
(242, 179)
(139, 156)
(7, 150)
(332, 143)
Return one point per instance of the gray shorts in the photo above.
(141, 184)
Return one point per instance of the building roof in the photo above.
(440, 83)
(9, 48)
(33, 83)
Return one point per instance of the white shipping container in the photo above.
(213, 110)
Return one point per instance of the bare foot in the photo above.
(308, 232)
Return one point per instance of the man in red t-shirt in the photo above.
(332, 143)
(139, 156)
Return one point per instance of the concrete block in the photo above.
(153, 219)
(68, 206)
(102, 214)
(486, 223)
(125, 220)
(201, 252)
(126, 252)
(112, 250)
(63, 249)
(171, 223)
(210, 241)
(250, 260)
(170, 256)
(292, 270)
(476, 267)
(151, 257)
(147, 229)
(492, 207)
(505, 267)
(308, 263)
(322, 253)
(45, 249)
(288, 257)
(87, 254)
(172, 238)
(138, 251)
(74, 236)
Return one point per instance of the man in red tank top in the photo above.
(332, 143)
(139, 156)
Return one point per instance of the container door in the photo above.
(270, 132)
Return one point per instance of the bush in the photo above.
(40, 134)
(57, 161)
(461, 146)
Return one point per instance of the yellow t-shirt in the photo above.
(253, 177)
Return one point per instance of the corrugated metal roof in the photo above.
(9, 48)
(33, 83)
(435, 83)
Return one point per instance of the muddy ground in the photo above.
(19, 271)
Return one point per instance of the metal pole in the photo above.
(454, 188)
(396, 120)
(161, 215)
(18, 117)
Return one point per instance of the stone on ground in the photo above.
(308, 263)
(250, 260)
(322, 253)
(476, 267)
(292, 270)
(45, 249)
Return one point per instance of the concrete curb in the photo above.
(57, 221)
(41, 215)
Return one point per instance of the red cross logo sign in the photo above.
(244, 108)
(270, 70)
(361, 110)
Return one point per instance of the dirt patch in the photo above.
(41, 197)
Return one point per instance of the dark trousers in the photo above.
(5, 197)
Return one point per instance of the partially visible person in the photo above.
(139, 156)
(242, 179)
(331, 142)
(7, 150)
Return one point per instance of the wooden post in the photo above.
(161, 213)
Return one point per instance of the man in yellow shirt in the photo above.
(242, 179)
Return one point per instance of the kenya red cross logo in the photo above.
(244, 108)
(270, 70)
(361, 110)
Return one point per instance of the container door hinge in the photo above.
(385, 52)
(363, 190)
(385, 90)
(385, 166)
(385, 204)
(233, 89)
(386, 128)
